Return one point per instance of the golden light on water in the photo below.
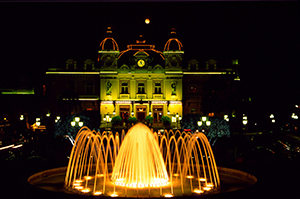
(140, 162)
(97, 193)
(114, 195)
(198, 191)
(76, 184)
(78, 187)
(86, 190)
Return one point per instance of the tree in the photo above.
(218, 128)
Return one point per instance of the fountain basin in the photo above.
(53, 180)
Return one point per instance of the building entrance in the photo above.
(124, 112)
(157, 114)
(141, 113)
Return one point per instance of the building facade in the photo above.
(140, 81)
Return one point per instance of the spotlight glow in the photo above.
(97, 193)
(86, 190)
(206, 188)
(198, 191)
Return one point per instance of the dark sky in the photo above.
(263, 36)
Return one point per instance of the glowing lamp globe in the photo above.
(73, 123)
(199, 123)
(77, 119)
(208, 123)
(147, 21)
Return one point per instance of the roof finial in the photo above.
(108, 30)
(173, 31)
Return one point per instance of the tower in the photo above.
(108, 52)
(173, 53)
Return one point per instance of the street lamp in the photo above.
(226, 118)
(204, 122)
(57, 119)
(294, 116)
(271, 116)
(107, 119)
(38, 121)
(178, 119)
(245, 119)
(22, 117)
(75, 121)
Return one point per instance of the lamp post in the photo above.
(294, 116)
(204, 122)
(107, 119)
(179, 120)
(226, 118)
(76, 122)
(38, 121)
(272, 117)
(57, 119)
(245, 121)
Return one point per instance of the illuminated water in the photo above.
(141, 164)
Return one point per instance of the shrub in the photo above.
(117, 120)
(166, 120)
(132, 120)
(149, 119)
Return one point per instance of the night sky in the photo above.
(263, 36)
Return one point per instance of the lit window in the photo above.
(141, 88)
(157, 88)
(193, 90)
(124, 88)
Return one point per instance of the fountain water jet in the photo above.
(139, 162)
(153, 164)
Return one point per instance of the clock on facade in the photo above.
(141, 63)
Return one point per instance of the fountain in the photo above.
(142, 163)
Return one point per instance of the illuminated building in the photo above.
(139, 80)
